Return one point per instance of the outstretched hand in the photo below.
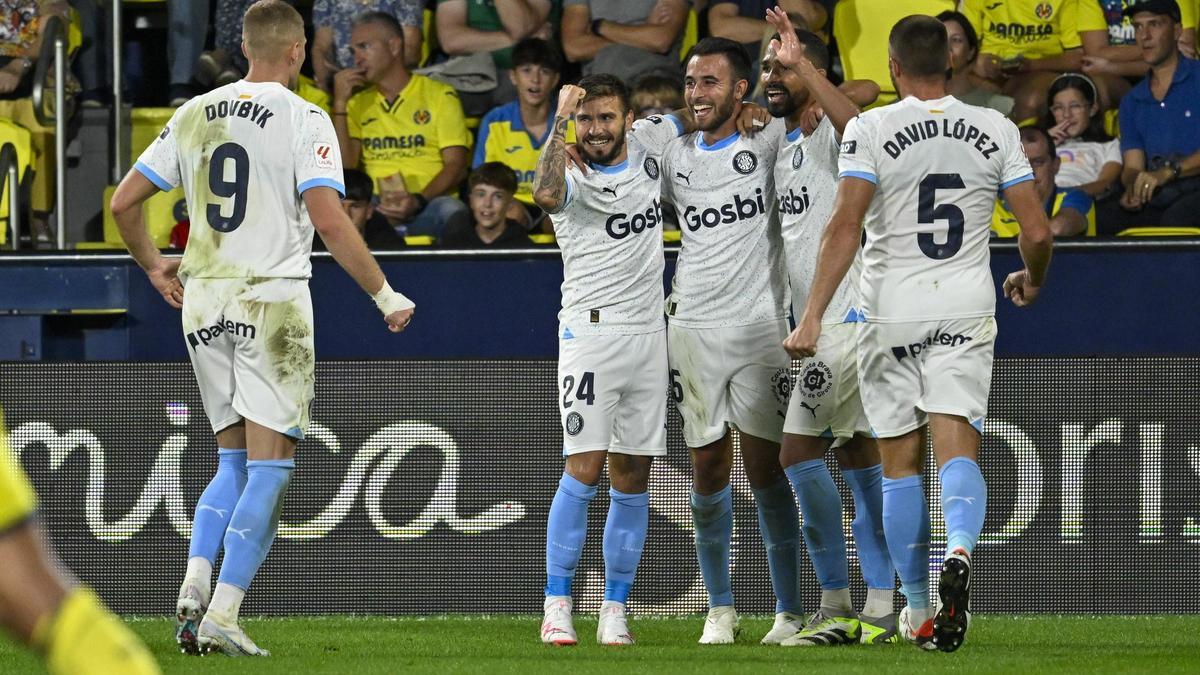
(787, 48)
(165, 279)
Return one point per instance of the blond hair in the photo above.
(269, 28)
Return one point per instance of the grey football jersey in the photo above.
(610, 233)
(730, 270)
(806, 182)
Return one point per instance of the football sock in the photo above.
(779, 524)
(199, 572)
(713, 516)
(838, 600)
(624, 538)
(906, 521)
(822, 508)
(84, 638)
(226, 603)
(880, 602)
(216, 504)
(566, 529)
(255, 520)
(964, 501)
(873, 557)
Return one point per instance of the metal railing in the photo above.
(118, 105)
(54, 48)
(10, 174)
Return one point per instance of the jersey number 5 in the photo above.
(929, 212)
(230, 189)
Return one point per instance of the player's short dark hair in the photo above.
(968, 30)
(920, 45)
(735, 54)
(381, 19)
(814, 47)
(603, 85)
(1034, 133)
(538, 52)
(359, 185)
(496, 174)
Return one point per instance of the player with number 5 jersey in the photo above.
(260, 168)
(924, 172)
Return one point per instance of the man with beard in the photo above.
(825, 410)
(727, 317)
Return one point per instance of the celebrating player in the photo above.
(726, 317)
(825, 409)
(259, 167)
(924, 172)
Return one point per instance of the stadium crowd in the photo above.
(428, 96)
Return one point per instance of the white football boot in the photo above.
(720, 627)
(556, 626)
(613, 628)
(228, 638)
(786, 625)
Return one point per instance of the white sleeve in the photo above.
(159, 162)
(570, 196)
(857, 156)
(655, 131)
(1111, 152)
(318, 157)
(1016, 165)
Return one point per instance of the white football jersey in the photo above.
(610, 232)
(244, 154)
(730, 270)
(806, 183)
(937, 166)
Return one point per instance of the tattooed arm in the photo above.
(550, 179)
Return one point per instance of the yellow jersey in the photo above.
(406, 135)
(504, 138)
(1004, 223)
(17, 500)
(1031, 28)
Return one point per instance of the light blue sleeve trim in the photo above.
(159, 182)
(869, 177)
(678, 123)
(321, 181)
(1022, 179)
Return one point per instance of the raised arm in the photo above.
(550, 177)
(788, 51)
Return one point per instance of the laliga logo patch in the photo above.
(781, 384)
(797, 158)
(651, 167)
(816, 380)
(745, 162)
(574, 424)
(323, 153)
(1044, 10)
(422, 117)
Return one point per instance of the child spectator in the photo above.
(491, 188)
(1091, 159)
(357, 204)
(656, 95)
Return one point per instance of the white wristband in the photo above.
(389, 301)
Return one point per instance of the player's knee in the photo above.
(585, 467)
(629, 473)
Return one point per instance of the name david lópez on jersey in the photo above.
(206, 335)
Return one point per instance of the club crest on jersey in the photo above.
(816, 380)
(574, 424)
(1044, 10)
(422, 117)
(323, 153)
(797, 158)
(745, 162)
(651, 167)
(781, 385)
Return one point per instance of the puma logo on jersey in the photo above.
(205, 507)
(938, 338)
(609, 190)
(240, 533)
(687, 179)
(810, 408)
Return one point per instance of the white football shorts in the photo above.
(251, 346)
(613, 393)
(907, 370)
(825, 399)
(735, 375)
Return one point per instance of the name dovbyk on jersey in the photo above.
(255, 112)
(921, 131)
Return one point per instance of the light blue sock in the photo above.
(624, 538)
(906, 523)
(822, 508)
(873, 556)
(779, 524)
(566, 529)
(964, 501)
(216, 504)
(255, 519)
(713, 516)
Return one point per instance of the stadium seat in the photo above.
(540, 238)
(429, 35)
(1160, 232)
(419, 240)
(19, 136)
(861, 28)
(145, 125)
(161, 212)
(691, 34)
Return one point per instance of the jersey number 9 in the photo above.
(230, 189)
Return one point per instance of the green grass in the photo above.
(509, 644)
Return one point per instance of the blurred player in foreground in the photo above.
(924, 173)
(260, 168)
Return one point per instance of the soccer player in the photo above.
(825, 410)
(612, 338)
(727, 315)
(924, 172)
(260, 168)
(42, 606)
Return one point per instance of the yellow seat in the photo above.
(145, 125)
(19, 136)
(691, 34)
(419, 240)
(428, 35)
(542, 238)
(160, 213)
(1112, 125)
(1160, 232)
(861, 28)
(308, 90)
(672, 236)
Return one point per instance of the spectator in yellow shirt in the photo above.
(405, 130)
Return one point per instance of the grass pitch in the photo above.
(509, 644)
